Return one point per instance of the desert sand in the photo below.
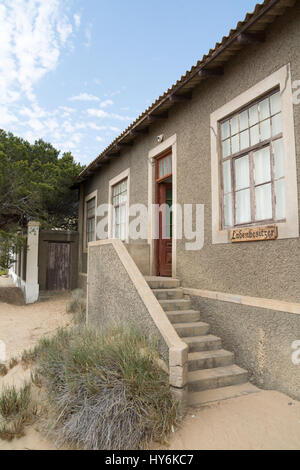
(21, 326)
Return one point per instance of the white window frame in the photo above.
(90, 196)
(113, 182)
(282, 79)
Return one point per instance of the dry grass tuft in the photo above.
(3, 370)
(106, 390)
(77, 305)
(16, 411)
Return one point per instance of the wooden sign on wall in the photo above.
(253, 234)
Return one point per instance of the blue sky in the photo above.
(77, 72)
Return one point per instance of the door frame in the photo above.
(156, 152)
(158, 183)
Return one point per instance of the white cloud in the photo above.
(36, 125)
(77, 20)
(104, 114)
(99, 139)
(84, 97)
(32, 34)
(6, 117)
(97, 113)
(106, 103)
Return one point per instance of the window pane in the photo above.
(278, 158)
(254, 134)
(253, 114)
(262, 166)
(234, 125)
(242, 206)
(225, 130)
(169, 164)
(245, 139)
(275, 103)
(228, 210)
(165, 168)
(161, 168)
(227, 177)
(265, 130)
(122, 214)
(264, 110)
(242, 179)
(235, 143)
(276, 124)
(263, 202)
(244, 124)
(280, 199)
(226, 148)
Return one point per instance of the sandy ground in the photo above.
(266, 420)
(21, 326)
(263, 420)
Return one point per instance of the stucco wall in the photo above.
(260, 269)
(113, 299)
(261, 340)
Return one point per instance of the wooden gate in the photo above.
(58, 267)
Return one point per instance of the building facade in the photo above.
(225, 137)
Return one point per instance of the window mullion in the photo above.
(252, 186)
(273, 181)
(233, 191)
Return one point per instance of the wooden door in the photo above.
(58, 267)
(164, 255)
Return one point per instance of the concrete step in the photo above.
(183, 316)
(165, 294)
(210, 359)
(191, 329)
(175, 304)
(197, 399)
(157, 282)
(203, 343)
(208, 379)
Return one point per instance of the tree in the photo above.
(10, 243)
(35, 184)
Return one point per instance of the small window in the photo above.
(252, 163)
(90, 220)
(119, 202)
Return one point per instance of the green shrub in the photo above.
(3, 272)
(106, 390)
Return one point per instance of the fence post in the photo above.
(32, 285)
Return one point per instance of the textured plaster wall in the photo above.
(260, 269)
(113, 298)
(261, 340)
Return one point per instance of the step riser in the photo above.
(163, 284)
(226, 381)
(178, 305)
(168, 294)
(183, 317)
(185, 331)
(198, 346)
(210, 363)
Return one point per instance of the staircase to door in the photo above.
(212, 373)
